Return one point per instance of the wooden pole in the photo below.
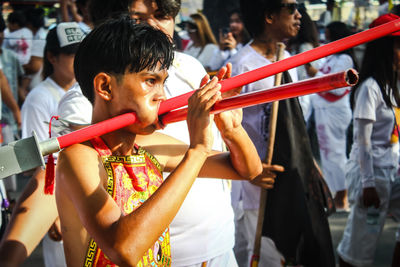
(268, 159)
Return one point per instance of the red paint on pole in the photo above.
(291, 62)
(314, 85)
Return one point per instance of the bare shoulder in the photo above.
(162, 146)
(77, 161)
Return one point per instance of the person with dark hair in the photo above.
(18, 37)
(127, 223)
(231, 39)
(332, 114)
(41, 104)
(307, 243)
(373, 187)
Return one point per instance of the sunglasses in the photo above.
(291, 7)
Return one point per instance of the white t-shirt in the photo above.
(39, 106)
(371, 106)
(204, 55)
(75, 107)
(254, 120)
(20, 41)
(204, 226)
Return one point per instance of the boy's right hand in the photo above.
(199, 119)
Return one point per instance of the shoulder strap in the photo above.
(100, 146)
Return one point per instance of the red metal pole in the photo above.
(314, 85)
(292, 62)
(324, 83)
(97, 129)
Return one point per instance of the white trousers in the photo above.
(359, 240)
(245, 230)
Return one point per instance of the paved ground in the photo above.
(337, 222)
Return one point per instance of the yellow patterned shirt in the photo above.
(131, 181)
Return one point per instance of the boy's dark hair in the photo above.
(118, 46)
(35, 17)
(17, 17)
(101, 10)
(254, 13)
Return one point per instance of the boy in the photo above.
(130, 77)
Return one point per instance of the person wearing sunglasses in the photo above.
(270, 22)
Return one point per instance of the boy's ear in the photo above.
(102, 85)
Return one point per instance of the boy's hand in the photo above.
(370, 197)
(199, 118)
(266, 179)
(228, 120)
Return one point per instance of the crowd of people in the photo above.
(189, 193)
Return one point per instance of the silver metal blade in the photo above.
(20, 156)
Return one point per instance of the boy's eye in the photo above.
(151, 81)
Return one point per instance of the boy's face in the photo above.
(146, 11)
(141, 93)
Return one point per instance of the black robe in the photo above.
(296, 215)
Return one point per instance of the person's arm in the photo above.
(32, 217)
(8, 98)
(363, 139)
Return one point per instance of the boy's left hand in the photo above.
(228, 120)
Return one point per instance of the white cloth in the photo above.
(53, 252)
(244, 194)
(325, 18)
(221, 56)
(246, 221)
(371, 106)
(203, 54)
(331, 122)
(75, 107)
(39, 106)
(39, 42)
(20, 41)
(203, 228)
(305, 101)
(359, 240)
